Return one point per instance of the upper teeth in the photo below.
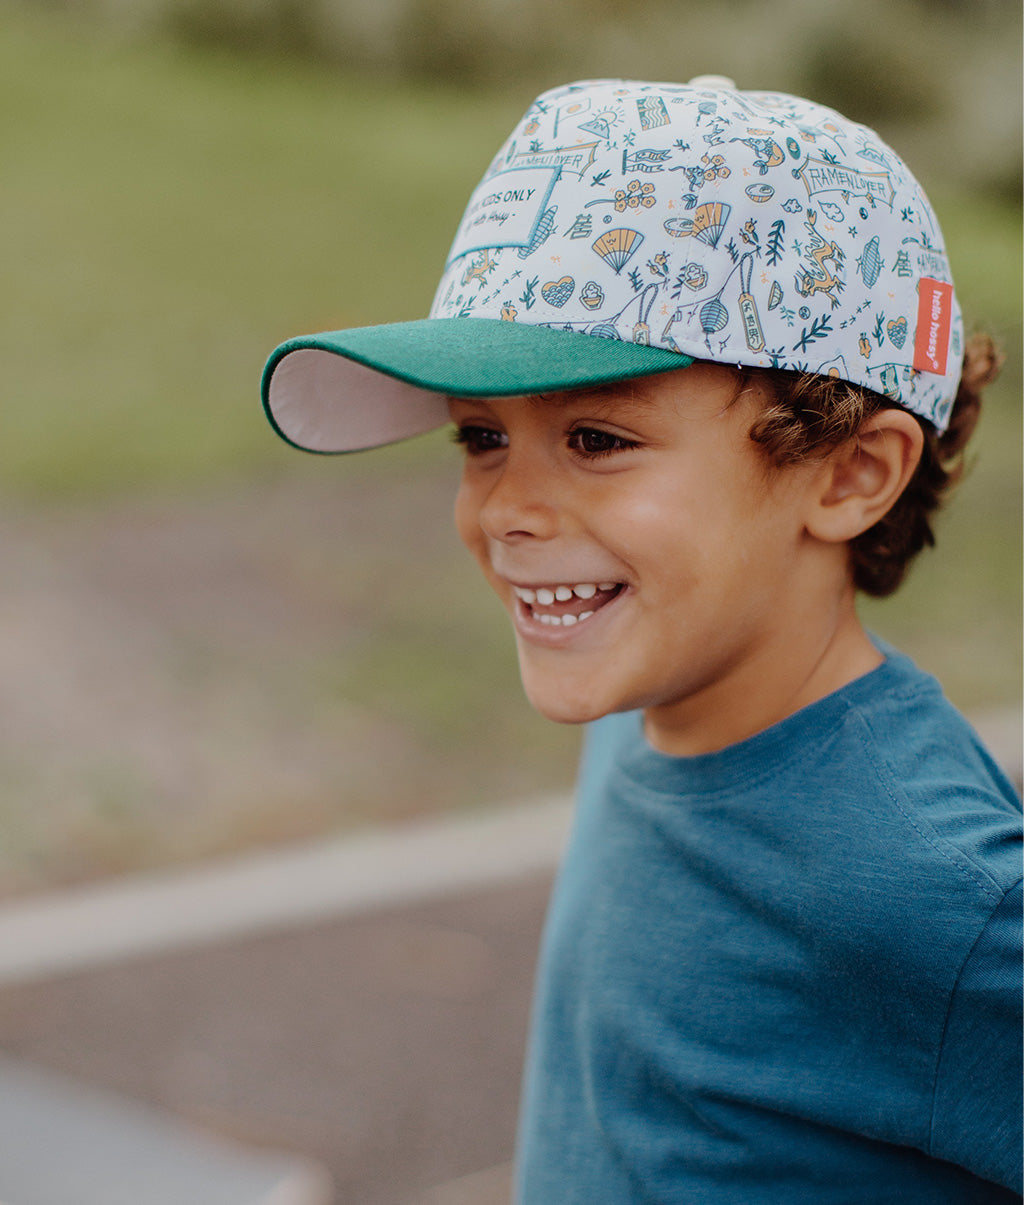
(546, 595)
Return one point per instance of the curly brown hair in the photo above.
(808, 416)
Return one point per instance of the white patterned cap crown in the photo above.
(748, 228)
(629, 228)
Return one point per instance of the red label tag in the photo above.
(934, 313)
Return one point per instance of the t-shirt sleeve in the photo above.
(976, 1121)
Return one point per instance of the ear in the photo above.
(861, 480)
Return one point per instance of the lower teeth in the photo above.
(563, 621)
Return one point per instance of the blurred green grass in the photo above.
(169, 213)
(959, 613)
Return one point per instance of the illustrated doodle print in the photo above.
(753, 226)
(767, 152)
(479, 268)
(817, 278)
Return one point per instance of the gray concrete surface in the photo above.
(279, 889)
(385, 1045)
(70, 1144)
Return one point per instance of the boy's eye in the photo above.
(593, 442)
(476, 440)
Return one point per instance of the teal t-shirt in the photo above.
(788, 971)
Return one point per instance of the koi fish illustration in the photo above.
(767, 152)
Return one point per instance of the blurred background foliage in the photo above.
(211, 641)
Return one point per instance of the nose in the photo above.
(519, 502)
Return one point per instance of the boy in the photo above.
(703, 353)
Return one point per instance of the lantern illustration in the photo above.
(870, 263)
(713, 316)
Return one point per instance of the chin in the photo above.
(565, 709)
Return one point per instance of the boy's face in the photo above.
(644, 555)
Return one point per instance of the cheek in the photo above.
(467, 513)
(467, 522)
(663, 527)
(698, 534)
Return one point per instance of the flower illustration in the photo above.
(714, 167)
(633, 196)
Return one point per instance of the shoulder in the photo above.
(927, 831)
(936, 788)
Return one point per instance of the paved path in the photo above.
(68, 1143)
(381, 1039)
(280, 889)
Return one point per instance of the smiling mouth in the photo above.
(565, 605)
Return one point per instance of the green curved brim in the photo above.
(341, 391)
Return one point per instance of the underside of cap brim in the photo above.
(342, 391)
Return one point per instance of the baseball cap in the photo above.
(628, 228)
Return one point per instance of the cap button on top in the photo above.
(720, 83)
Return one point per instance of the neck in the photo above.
(811, 656)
